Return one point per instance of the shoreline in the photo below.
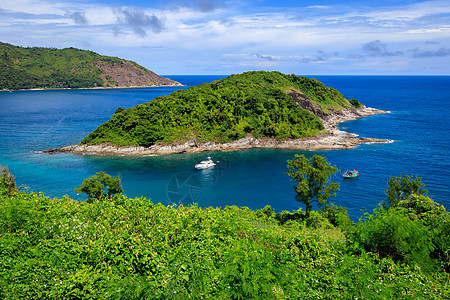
(332, 139)
(97, 88)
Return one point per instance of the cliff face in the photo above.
(306, 103)
(128, 74)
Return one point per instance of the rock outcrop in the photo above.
(128, 74)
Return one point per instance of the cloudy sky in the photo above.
(337, 37)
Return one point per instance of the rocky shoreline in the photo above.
(333, 139)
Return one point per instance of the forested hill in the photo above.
(36, 67)
(263, 104)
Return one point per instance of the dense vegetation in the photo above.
(254, 103)
(37, 67)
(115, 247)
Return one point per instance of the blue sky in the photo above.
(334, 37)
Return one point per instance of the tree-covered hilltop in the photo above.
(37, 67)
(264, 104)
(115, 247)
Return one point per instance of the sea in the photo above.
(418, 124)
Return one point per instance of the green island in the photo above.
(114, 247)
(39, 68)
(261, 104)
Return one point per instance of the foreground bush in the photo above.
(132, 249)
(390, 233)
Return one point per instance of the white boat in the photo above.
(207, 163)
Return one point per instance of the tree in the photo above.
(7, 180)
(312, 177)
(100, 186)
(402, 188)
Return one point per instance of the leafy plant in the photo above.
(337, 215)
(312, 177)
(402, 187)
(391, 233)
(316, 220)
(285, 216)
(7, 180)
(100, 186)
(437, 219)
(355, 103)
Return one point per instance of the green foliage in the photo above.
(409, 195)
(132, 249)
(286, 216)
(437, 219)
(316, 220)
(312, 177)
(7, 180)
(425, 209)
(329, 99)
(119, 110)
(36, 67)
(355, 103)
(337, 216)
(402, 187)
(100, 186)
(266, 212)
(252, 103)
(391, 233)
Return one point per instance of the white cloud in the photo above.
(201, 35)
(100, 15)
(319, 7)
(33, 7)
(444, 30)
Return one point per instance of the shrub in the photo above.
(437, 219)
(100, 186)
(337, 215)
(355, 103)
(391, 233)
(7, 180)
(316, 220)
(286, 216)
(266, 212)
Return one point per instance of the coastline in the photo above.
(97, 87)
(332, 139)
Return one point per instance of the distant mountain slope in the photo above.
(262, 104)
(36, 67)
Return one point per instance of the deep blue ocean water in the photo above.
(419, 123)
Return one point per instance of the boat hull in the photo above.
(205, 164)
(351, 174)
(203, 167)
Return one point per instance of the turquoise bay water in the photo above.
(418, 122)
